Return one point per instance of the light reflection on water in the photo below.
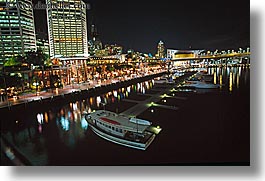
(68, 124)
(230, 77)
(72, 125)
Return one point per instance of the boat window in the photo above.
(117, 129)
(113, 128)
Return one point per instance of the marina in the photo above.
(47, 136)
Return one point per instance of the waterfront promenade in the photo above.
(39, 96)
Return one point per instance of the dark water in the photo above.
(210, 127)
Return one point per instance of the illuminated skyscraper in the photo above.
(67, 28)
(17, 31)
(161, 50)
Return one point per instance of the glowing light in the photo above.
(152, 111)
(75, 106)
(214, 78)
(128, 89)
(91, 101)
(98, 100)
(221, 81)
(237, 81)
(40, 118)
(138, 85)
(143, 91)
(89, 110)
(147, 84)
(231, 82)
(115, 93)
(75, 116)
(40, 128)
(46, 117)
(84, 123)
(65, 124)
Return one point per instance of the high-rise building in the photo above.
(161, 50)
(17, 31)
(67, 28)
(43, 45)
(95, 44)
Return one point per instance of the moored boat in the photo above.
(197, 83)
(200, 85)
(124, 130)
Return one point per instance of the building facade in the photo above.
(43, 45)
(174, 54)
(160, 50)
(67, 28)
(17, 30)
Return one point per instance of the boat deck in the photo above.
(120, 121)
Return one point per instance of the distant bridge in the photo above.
(219, 56)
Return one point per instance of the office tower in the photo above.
(67, 29)
(17, 31)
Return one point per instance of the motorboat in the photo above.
(123, 130)
(200, 84)
(161, 80)
(164, 80)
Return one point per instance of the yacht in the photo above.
(124, 130)
(200, 84)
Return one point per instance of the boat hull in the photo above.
(120, 141)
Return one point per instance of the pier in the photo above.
(155, 98)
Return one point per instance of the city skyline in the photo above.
(115, 74)
(182, 25)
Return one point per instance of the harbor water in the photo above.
(209, 127)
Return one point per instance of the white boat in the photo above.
(123, 130)
(200, 85)
(161, 80)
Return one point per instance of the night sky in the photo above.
(187, 24)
